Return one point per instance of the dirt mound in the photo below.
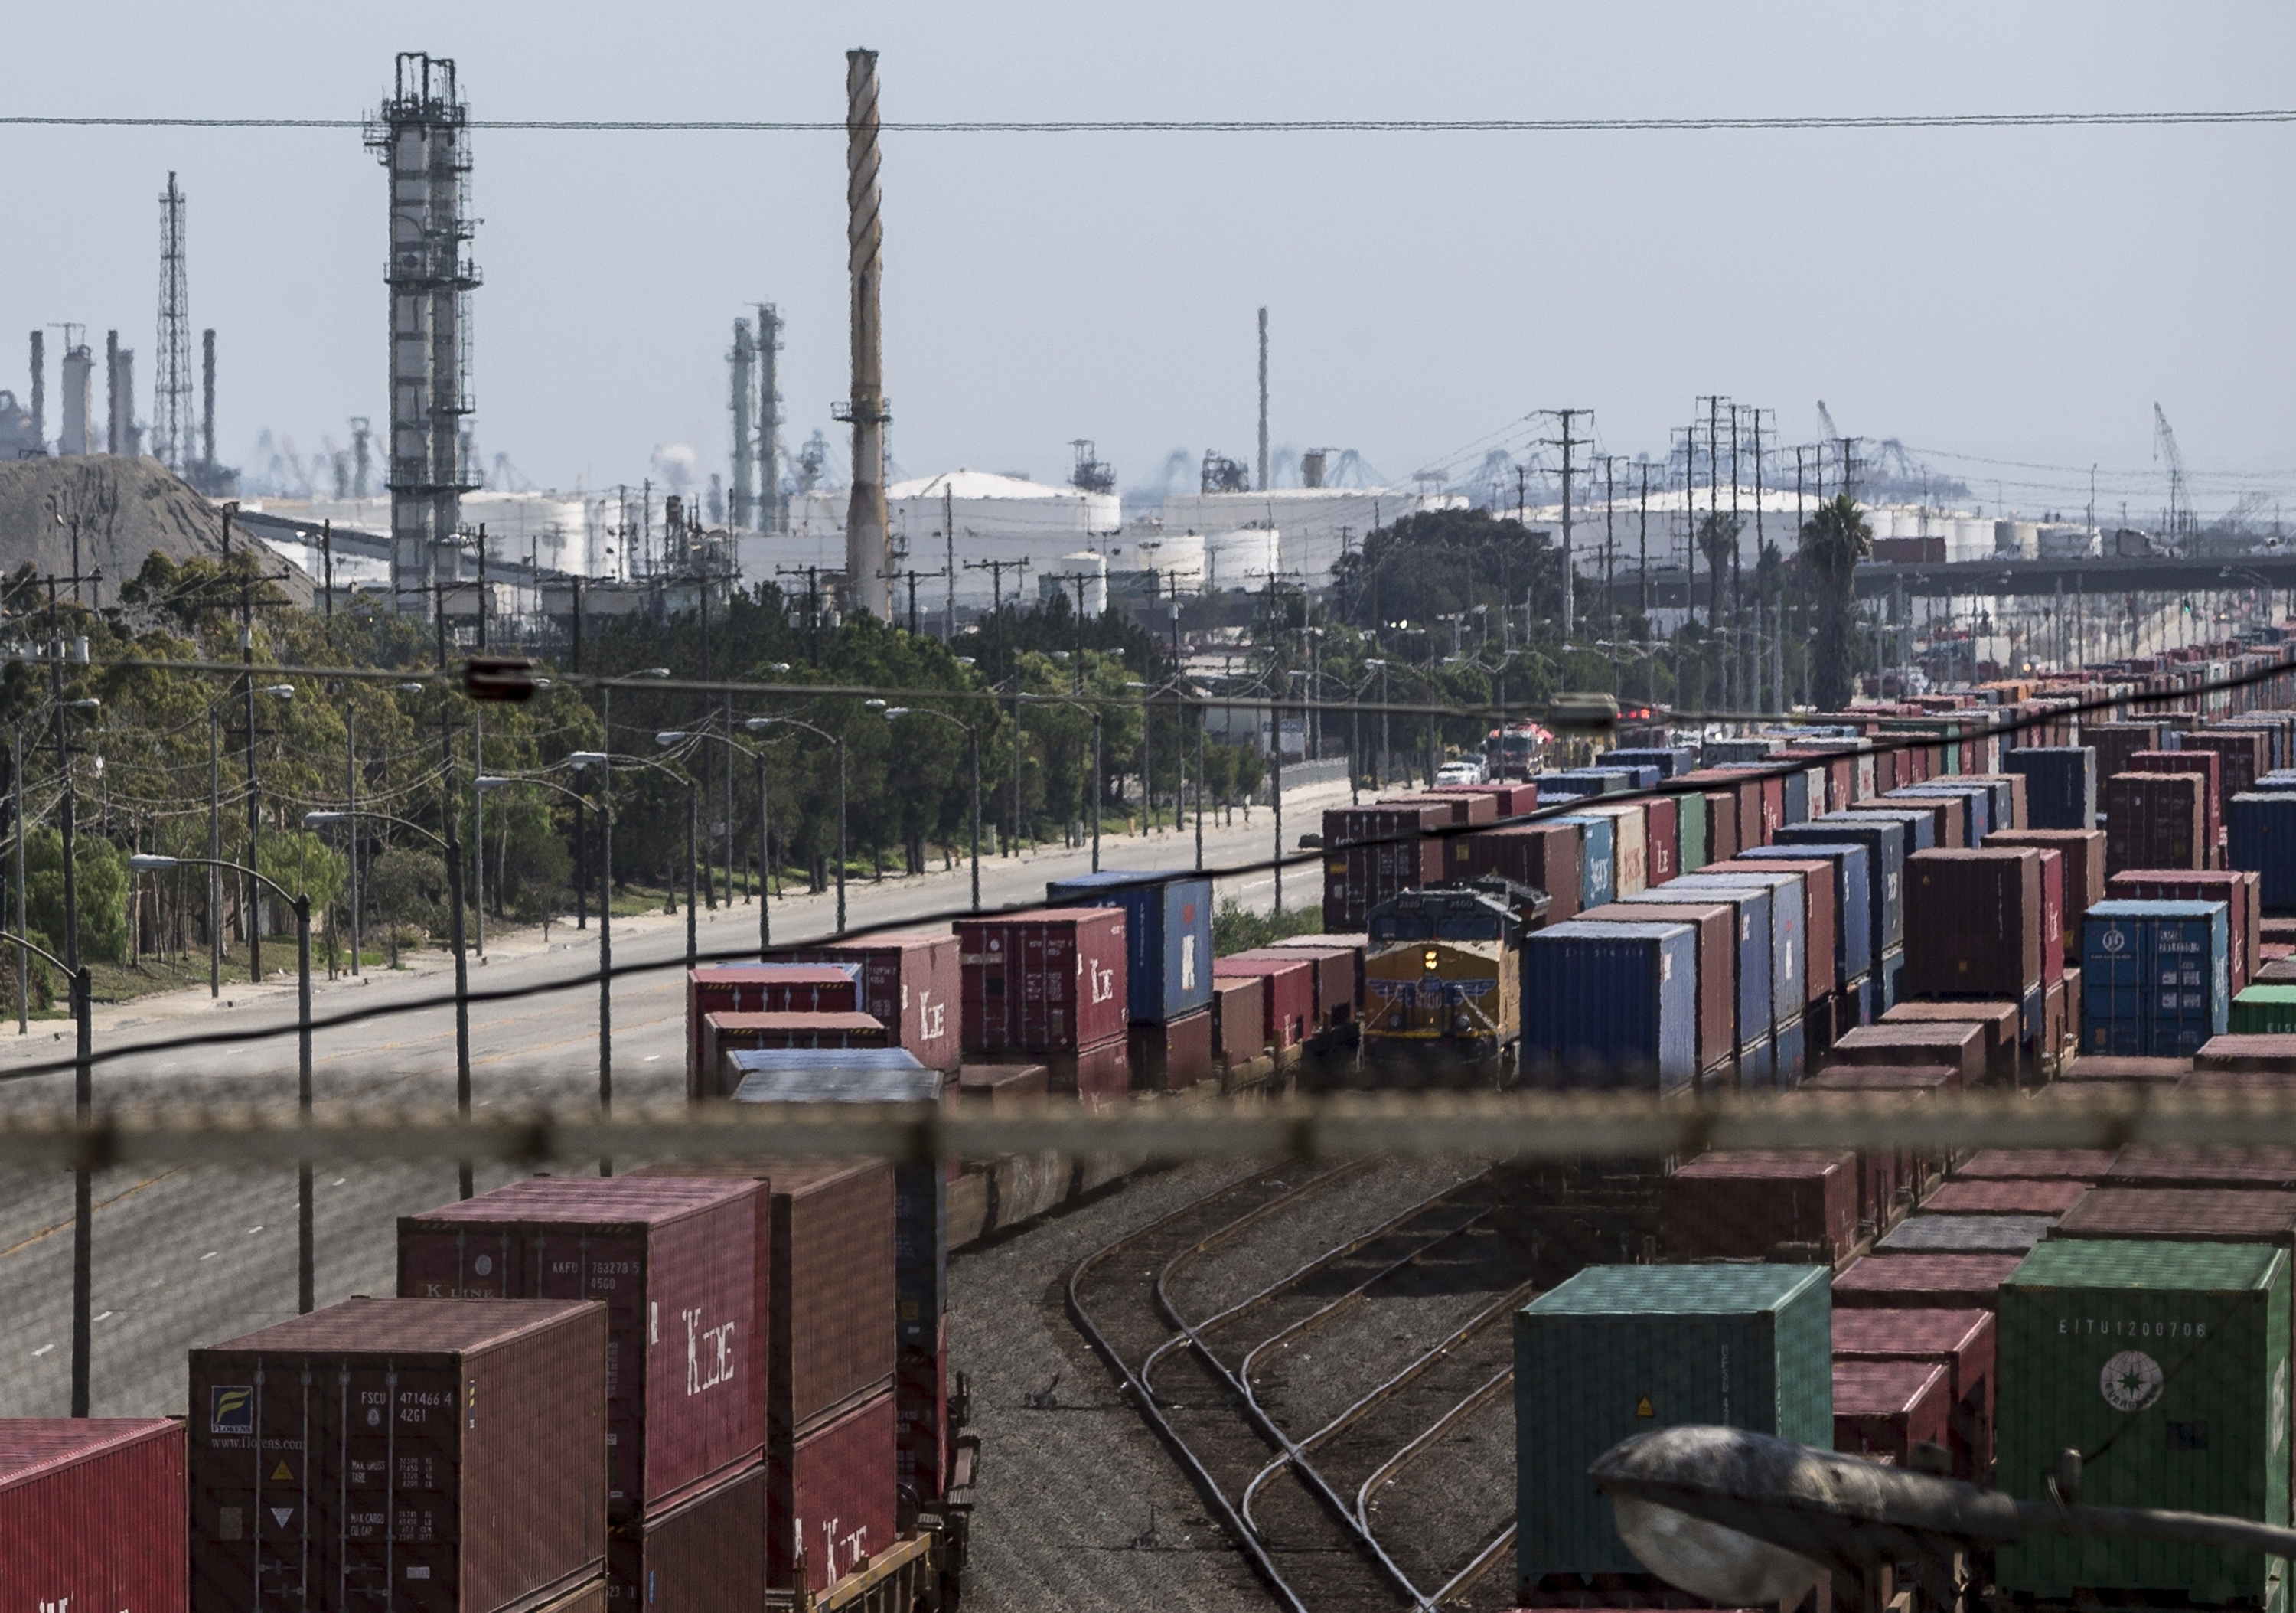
(125, 509)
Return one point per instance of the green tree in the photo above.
(1832, 541)
(102, 894)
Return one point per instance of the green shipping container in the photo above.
(2166, 1365)
(1622, 1350)
(1690, 831)
(2264, 1010)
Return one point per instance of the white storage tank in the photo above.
(1065, 575)
(1244, 558)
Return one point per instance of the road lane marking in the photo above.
(43, 1350)
(102, 1205)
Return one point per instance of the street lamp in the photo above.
(758, 725)
(599, 760)
(589, 758)
(83, 1197)
(152, 862)
(278, 691)
(450, 848)
(1091, 712)
(670, 737)
(1378, 774)
(894, 714)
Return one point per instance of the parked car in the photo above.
(1466, 771)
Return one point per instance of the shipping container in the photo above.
(831, 1304)
(2090, 1072)
(2116, 742)
(1975, 923)
(1611, 1005)
(1721, 816)
(1099, 1075)
(763, 987)
(1883, 1409)
(707, 1554)
(724, 1033)
(1718, 953)
(2166, 1364)
(1947, 809)
(921, 1413)
(1288, 997)
(2240, 891)
(1240, 1017)
(1003, 1085)
(2266, 1010)
(1983, 1196)
(2253, 1051)
(1460, 809)
(832, 1496)
(2174, 1165)
(1671, 762)
(1629, 844)
(2083, 878)
(1788, 959)
(1662, 836)
(2153, 978)
(1916, 830)
(1173, 1056)
(426, 1455)
(2037, 1164)
(2059, 784)
(1740, 820)
(911, 983)
(1543, 857)
(1814, 879)
(1339, 975)
(1385, 852)
(1041, 980)
(2184, 1215)
(2261, 839)
(1598, 869)
(2001, 1021)
(92, 1513)
(1960, 1341)
(2246, 754)
(1168, 933)
(675, 1263)
(1913, 1282)
(1885, 869)
(1746, 1205)
(1625, 1349)
(1926, 1233)
(1956, 1045)
(2156, 821)
(1852, 921)
(1755, 1013)
(1691, 833)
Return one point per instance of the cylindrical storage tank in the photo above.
(1243, 558)
(1093, 569)
(1177, 559)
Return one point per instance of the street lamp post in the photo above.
(452, 850)
(758, 725)
(765, 844)
(281, 691)
(599, 759)
(1091, 712)
(893, 713)
(305, 1284)
(607, 760)
(1378, 774)
(83, 1194)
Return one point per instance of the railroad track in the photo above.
(1321, 1474)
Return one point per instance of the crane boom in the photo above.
(1832, 432)
(2164, 448)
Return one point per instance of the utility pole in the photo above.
(254, 791)
(867, 551)
(949, 538)
(1566, 443)
(1650, 654)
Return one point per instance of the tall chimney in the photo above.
(207, 399)
(40, 389)
(868, 552)
(111, 440)
(1263, 400)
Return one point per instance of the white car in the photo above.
(1461, 772)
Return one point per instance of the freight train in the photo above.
(1443, 983)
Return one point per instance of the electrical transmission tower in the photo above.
(171, 404)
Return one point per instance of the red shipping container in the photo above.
(1460, 807)
(1820, 913)
(763, 987)
(2117, 741)
(1544, 857)
(1949, 816)
(2082, 879)
(1961, 1342)
(1385, 821)
(1974, 922)
(1956, 1045)
(2249, 1168)
(1047, 980)
(1173, 1055)
(2240, 890)
(707, 1554)
(830, 1313)
(1721, 825)
(2253, 1051)
(2037, 1164)
(92, 1513)
(1508, 799)
(1983, 1196)
(2246, 755)
(921, 1408)
(1337, 976)
(2184, 1214)
(2208, 764)
(1882, 1409)
(1717, 922)
(1663, 835)
(1923, 1282)
(1746, 1204)
(723, 1033)
(1096, 1073)
(1239, 1018)
(1289, 1002)
(1004, 1085)
(2155, 821)
(676, 1265)
(2003, 1021)
(910, 982)
(1761, 802)
(832, 1496)
(1894, 1177)
(333, 1455)
(1744, 791)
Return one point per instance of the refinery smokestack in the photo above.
(868, 555)
(40, 389)
(1263, 400)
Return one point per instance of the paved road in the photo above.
(196, 1255)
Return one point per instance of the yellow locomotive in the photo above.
(1443, 983)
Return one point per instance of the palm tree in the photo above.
(1832, 541)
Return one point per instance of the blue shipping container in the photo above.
(1788, 926)
(1790, 1055)
(920, 1188)
(1598, 858)
(1738, 753)
(1919, 828)
(1669, 762)
(1853, 926)
(2153, 978)
(1618, 776)
(1889, 981)
(1885, 870)
(1554, 788)
(1168, 935)
(2059, 784)
(1611, 1005)
(1798, 796)
(1976, 809)
(2261, 830)
(1753, 1012)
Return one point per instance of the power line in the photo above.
(1244, 126)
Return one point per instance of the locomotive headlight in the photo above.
(1430, 959)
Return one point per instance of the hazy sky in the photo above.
(2021, 295)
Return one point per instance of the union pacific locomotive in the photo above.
(1443, 983)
